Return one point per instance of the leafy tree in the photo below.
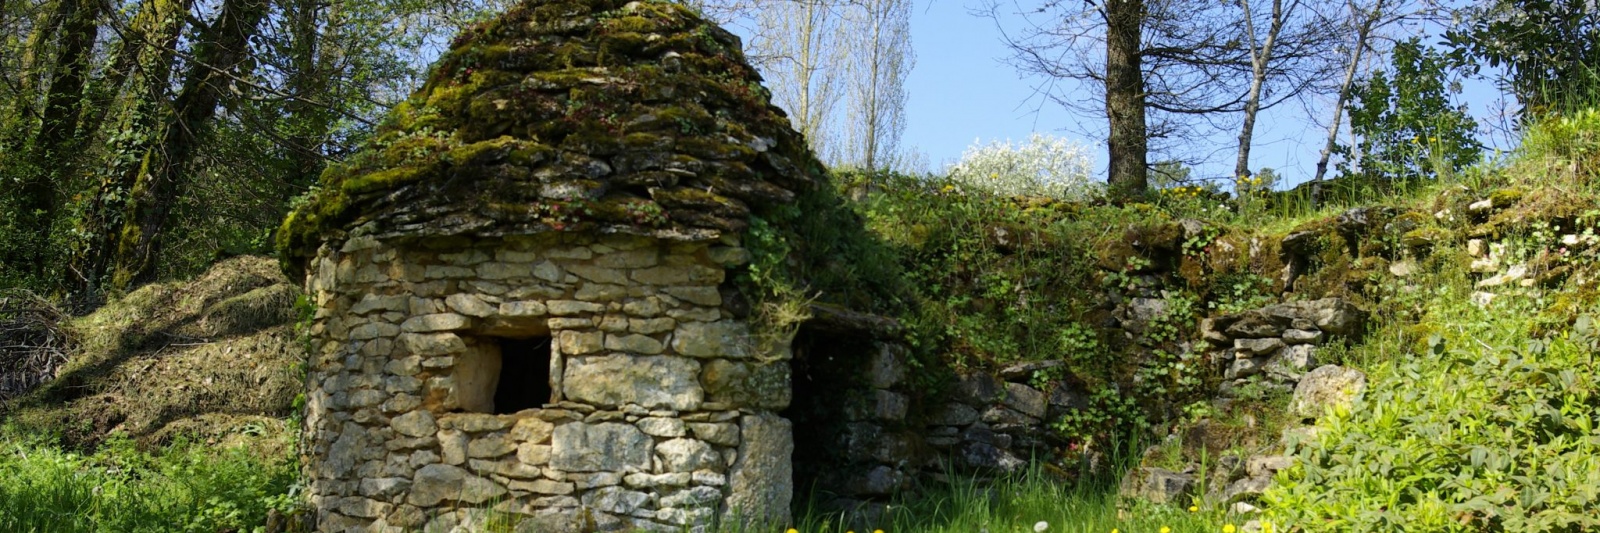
(1405, 122)
(1549, 48)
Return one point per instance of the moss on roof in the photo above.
(564, 115)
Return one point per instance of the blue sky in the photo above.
(961, 90)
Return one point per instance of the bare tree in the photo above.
(799, 47)
(1289, 60)
(881, 59)
(1364, 22)
(1169, 68)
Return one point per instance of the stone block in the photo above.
(662, 427)
(953, 414)
(741, 384)
(374, 302)
(435, 484)
(1327, 386)
(1255, 347)
(600, 292)
(581, 342)
(640, 258)
(616, 500)
(713, 339)
(687, 455)
(721, 434)
(453, 446)
(428, 345)
(649, 381)
(889, 406)
(532, 430)
(436, 322)
(414, 424)
(762, 477)
(599, 274)
(634, 343)
(373, 330)
(490, 446)
(469, 305)
(1301, 336)
(475, 422)
(604, 447)
(706, 296)
(885, 369)
(573, 307)
(1026, 400)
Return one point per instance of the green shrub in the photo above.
(1488, 425)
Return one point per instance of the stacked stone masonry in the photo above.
(662, 409)
(1278, 342)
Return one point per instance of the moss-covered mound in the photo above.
(215, 357)
(562, 115)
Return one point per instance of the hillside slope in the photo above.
(213, 357)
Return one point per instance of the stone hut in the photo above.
(523, 288)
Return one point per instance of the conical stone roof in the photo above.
(569, 115)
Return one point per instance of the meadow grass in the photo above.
(118, 488)
(1019, 503)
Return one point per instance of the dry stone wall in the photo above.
(661, 413)
(1278, 342)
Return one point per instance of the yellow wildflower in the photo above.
(1228, 528)
(792, 530)
(1266, 527)
(1194, 508)
(1165, 529)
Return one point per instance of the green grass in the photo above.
(1016, 505)
(185, 487)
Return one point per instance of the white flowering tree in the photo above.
(1044, 166)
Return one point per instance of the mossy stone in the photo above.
(638, 108)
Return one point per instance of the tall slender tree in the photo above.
(1288, 58)
(881, 59)
(799, 46)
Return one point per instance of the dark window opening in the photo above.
(524, 381)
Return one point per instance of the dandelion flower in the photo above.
(1041, 526)
(877, 531)
(1266, 527)
(1194, 508)
(793, 530)
(1228, 528)
(1165, 529)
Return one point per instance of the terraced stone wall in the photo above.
(661, 408)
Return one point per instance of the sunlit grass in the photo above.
(186, 487)
(1028, 503)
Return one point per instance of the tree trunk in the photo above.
(19, 121)
(309, 124)
(132, 98)
(58, 138)
(1344, 89)
(1259, 59)
(1128, 143)
(223, 46)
